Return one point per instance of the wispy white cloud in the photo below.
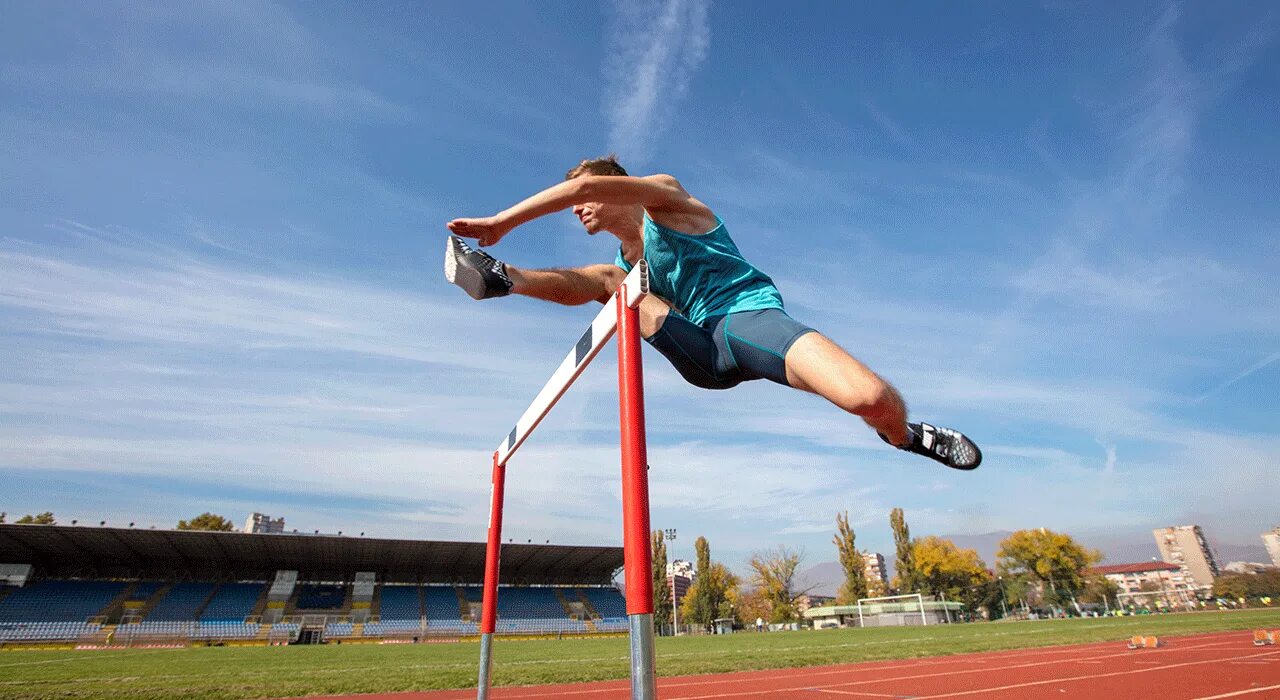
(653, 48)
(264, 59)
(1259, 365)
(888, 125)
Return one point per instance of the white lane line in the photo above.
(832, 691)
(1082, 678)
(1238, 693)
(846, 684)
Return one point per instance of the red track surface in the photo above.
(1203, 667)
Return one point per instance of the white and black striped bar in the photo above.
(598, 333)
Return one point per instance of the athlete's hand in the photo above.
(487, 230)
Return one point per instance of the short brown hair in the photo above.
(608, 165)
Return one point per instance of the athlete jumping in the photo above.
(716, 317)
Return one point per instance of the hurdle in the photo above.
(621, 314)
(1264, 637)
(1140, 642)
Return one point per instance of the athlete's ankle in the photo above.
(518, 281)
(901, 438)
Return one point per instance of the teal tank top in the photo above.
(702, 275)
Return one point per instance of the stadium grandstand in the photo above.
(123, 586)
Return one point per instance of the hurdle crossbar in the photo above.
(621, 315)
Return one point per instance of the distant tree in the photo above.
(699, 609)
(942, 569)
(207, 521)
(749, 604)
(1099, 590)
(990, 597)
(661, 589)
(1236, 586)
(45, 518)
(855, 567)
(773, 573)
(708, 597)
(904, 572)
(2, 516)
(717, 584)
(1051, 558)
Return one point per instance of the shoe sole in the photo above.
(465, 276)
(969, 466)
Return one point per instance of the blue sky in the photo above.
(1050, 225)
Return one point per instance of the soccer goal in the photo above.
(621, 315)
(883, 606)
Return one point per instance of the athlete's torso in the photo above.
(702, 275)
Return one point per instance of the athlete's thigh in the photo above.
(691, 349)
(816, 364)
(757, 342)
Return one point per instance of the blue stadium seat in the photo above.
(441, 603)
(58, 601)
(400, 603)
(529, 603)
(317, 596)
(181, 602)
(233, 602)
(144, 590)
(608, 602)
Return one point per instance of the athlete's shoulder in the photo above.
(683, 204)
(664, 179)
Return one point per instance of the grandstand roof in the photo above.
(58, 551)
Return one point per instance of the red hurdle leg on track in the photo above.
(492, 558)
(624, 318)
(635, 502)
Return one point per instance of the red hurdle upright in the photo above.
(623, 316)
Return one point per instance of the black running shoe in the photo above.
(479, 274)
(944, 445)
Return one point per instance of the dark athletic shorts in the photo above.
(729, 348)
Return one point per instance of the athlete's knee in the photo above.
(609, 277)
(871, 396)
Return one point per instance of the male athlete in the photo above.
(716, 317)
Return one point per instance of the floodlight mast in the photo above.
(620, 314)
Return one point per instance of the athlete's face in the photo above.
(595, 216)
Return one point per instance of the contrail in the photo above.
(1252, 368)
(653, 50)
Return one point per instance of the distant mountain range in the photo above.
(824, 578)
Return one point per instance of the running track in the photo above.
(1203, 667)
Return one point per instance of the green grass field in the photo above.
(258, 672)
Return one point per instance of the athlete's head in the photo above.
(600, 216)
(607, 165)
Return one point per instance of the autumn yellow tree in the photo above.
(718, 585)
(749, 604)
(1052, 559)
(661, 589)
(943, 569)
(1099, 590)
(773, 574)
(851, 561)
(708, 597)
(903, 570)
(207, 521)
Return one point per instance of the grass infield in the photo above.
(268, 672)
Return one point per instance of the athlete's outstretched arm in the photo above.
(652, 192)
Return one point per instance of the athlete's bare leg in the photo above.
(817, 365)
(579, 285)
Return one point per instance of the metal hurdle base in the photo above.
(486, 666)
(643, 685)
